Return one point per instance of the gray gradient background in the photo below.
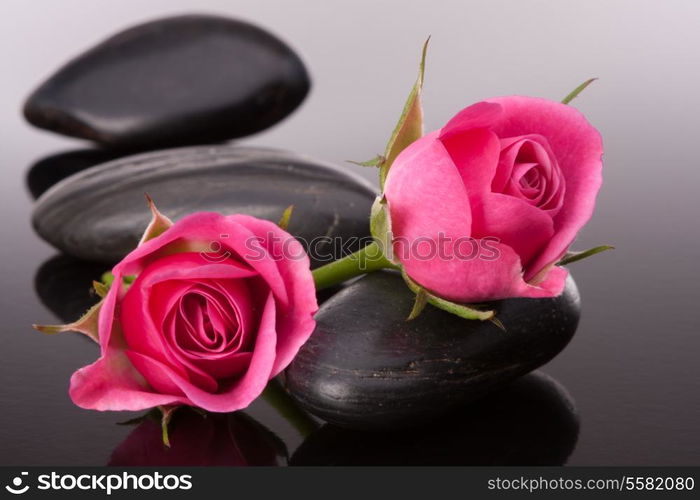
(632, 367)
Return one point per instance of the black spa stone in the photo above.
(366, 367)
(188, 79)
(100, 213)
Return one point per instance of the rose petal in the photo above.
(105, 319)
(112, 384)
(142, 305)
(155, 377)
(578, 148)
(480, 115)
(200, 231)
(295, 320)
(523, 227)
(427, 200)
(475, 153)
(241, 392)
(478, 280)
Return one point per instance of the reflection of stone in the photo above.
(530, 422)
(64, 285)
(196, 439)
(365, 366)
(49, 170)
(100, 213)
(180, 80)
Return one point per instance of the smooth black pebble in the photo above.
(100, 213)
(188, 79)
(366, 367)
(531, 421)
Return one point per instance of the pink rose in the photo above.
(520, 170)
(195, 327)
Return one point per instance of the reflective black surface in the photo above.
(632, 368)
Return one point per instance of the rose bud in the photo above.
(203, 313)
(484, 208)
(501, 192)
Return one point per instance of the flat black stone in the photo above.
(180, 80)
(54, 168)
(100, 213)
(532, 421)
(365, 366)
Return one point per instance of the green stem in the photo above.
(277, 397)
(366, 260)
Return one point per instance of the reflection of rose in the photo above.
(200, 329)
(213, 439)
(524, 171)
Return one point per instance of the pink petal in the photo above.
(549, 195)
(523, 227)
(155, 376)
(475, 153)
(192, 266)
(240, 392)
(112, 383)
(228, 365)
(143, 304)
(480, 115)
(427, 199)
(238, 293)
(200, 231)
(478, 280)
(578, 148)
(105, 319)
(295, 320)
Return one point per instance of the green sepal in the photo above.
(100, 288)
(380, 227)
(419, 304)
(574, 93)
(166, 417)
(87, 324)
(107, 279)
(158, 225)
(377, 161)
(410, 125)
(571, 257)
(286, 215)
(461, 310)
